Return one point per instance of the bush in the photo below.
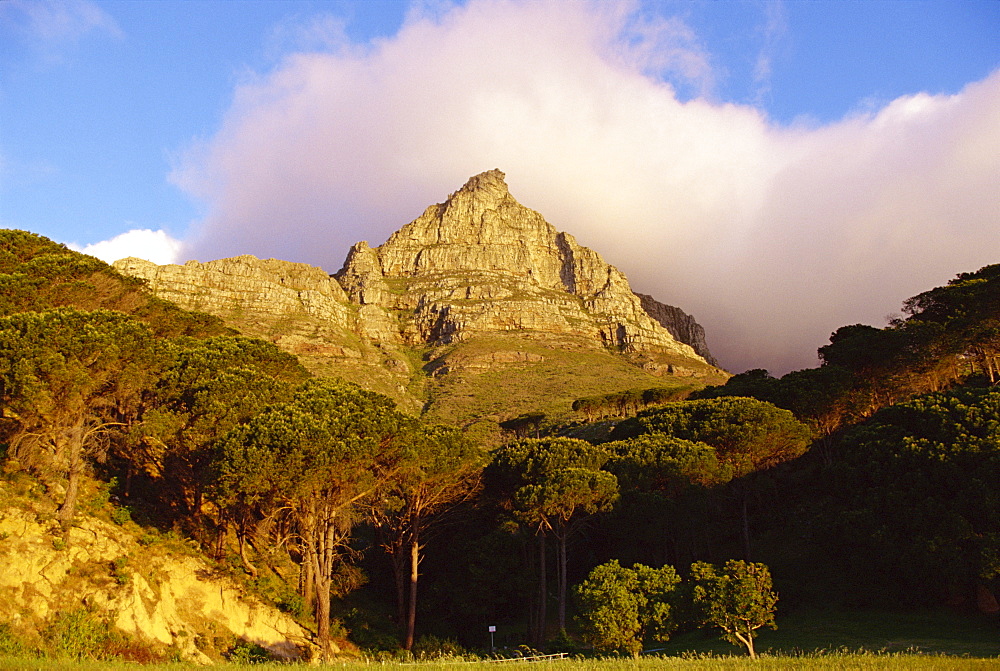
(81, 634)
(245, 652)
(10, 644)
(121, 516)
(431, 647)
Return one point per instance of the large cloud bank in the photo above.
(772, 236)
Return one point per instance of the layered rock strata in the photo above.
(478, 264)
(482, 262)
(681, 325)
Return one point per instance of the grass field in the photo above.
(929, 632)
(821, 640)
(821, 661)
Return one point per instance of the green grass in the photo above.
(571, 369)
(862, 641)
(832, 661)
(932, 632)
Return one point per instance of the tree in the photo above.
(313, 462)
(737, 599)
(552, 486)
(655, 473)
(622, 607)
(665, 464)
(961, 321)
(748, 434)
(37, 274)
(913, 496)
(207, 388)
(442, 469)
(69, 378)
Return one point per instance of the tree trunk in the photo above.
(746, 522)
(399, 566)
(323, 568)
(542, 594)
(411, 615)
(563, 533)
(748, 642)
(74, 457)
(68, 507)
(241, 541)
(323, 618)
(308, 582)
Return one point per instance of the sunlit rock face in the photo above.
(482, 262)
(144, 589)
(478, 265)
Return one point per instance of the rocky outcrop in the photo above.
(246, 285)
(477, 265)
(298, 307)
(481, 262)
(141, 588)
(680, 324)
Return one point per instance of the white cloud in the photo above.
(155, 246)
(771, 236)
(58, 21)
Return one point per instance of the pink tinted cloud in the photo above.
(771, 236)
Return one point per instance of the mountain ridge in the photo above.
(479, 265)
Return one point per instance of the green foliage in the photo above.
(207, 388)
(120, 571)
(747, 434)
(549, 480)
(737, 599)
(440, 469)
(625, 403)
(10, 643)
(620, 607)
(37, 274)
(245, 652)
(429, 647)
(80, 634)
(550, 486)
(664, 464)
(121, 515)
(820, 397)
(913, 491)
(309, 466)
(69, 379)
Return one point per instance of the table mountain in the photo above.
(477, 295)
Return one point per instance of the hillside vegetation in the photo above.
(869, 482)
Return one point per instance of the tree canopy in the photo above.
(737, 599)
(69, 377)
(620, 607)
(747, 434)
(313, 462)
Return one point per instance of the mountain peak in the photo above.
(489, 182)
(483, 263)
(485, 192)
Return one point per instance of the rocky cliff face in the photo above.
(481, 262)
(298, 307)
(476, 266)
(162, 597)
(680, 324)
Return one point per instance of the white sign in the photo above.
(492, 628)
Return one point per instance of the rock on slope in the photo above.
(680, 324)
(163, 597)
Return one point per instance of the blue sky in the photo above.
(293, 129)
